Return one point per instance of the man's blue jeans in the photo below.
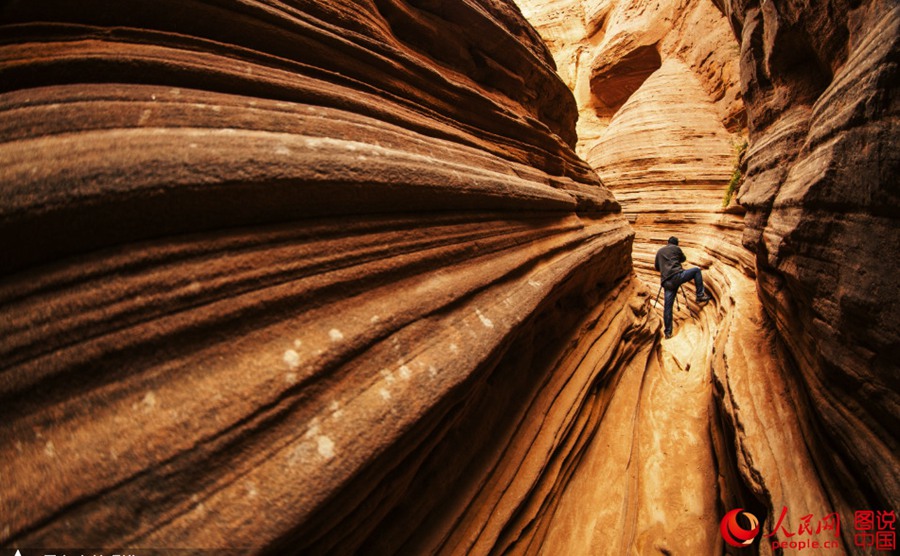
(671, 286)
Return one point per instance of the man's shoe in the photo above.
(703, 297)
(668, 335)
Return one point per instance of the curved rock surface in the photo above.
(798, 358)
(296, 276)
(605, 50)
(314, 277)
(821, 86)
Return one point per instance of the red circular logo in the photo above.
(733, 533)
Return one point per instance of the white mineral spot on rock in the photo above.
(145, 115)
(534, 283)
(361, 158)
(193, 145)
(175, 91)
(335, 335)
(282, 150)
(19, 446)
(149, 401)
(432, 370)
(385, 394)
(292, 358)
(336, 411)
(405, 372)
(325, 447)
(251, 490)
(291, 378)
(314, 428)
(388, 375)
(454, 348)
(375, 319)
(50, 449)
(298, 344)
(484, 320)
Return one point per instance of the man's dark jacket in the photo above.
(668, 262)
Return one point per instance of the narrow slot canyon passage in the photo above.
(665, 463)
(377, 276)
(649, 482)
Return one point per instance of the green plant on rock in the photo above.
(736, 174)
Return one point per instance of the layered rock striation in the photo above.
(316, 277)
(296, 276)
(606, 50)
(821, 91)
(798, 362)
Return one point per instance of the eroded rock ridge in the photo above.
(296, 276)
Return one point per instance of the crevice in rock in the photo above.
(614, 82)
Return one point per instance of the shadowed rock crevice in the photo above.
(614, 82)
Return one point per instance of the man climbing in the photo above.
(668, 263)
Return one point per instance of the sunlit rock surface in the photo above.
(796, 405)
(605, 50)
(297, 276)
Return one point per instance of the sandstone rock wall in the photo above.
(799, 355)
(605, 50)
(820, 84)
(296, 276)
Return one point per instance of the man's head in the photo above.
(673, 240)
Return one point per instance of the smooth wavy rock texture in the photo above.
(785, 385)
(297, 276)
(823, 208)
(605, 50)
